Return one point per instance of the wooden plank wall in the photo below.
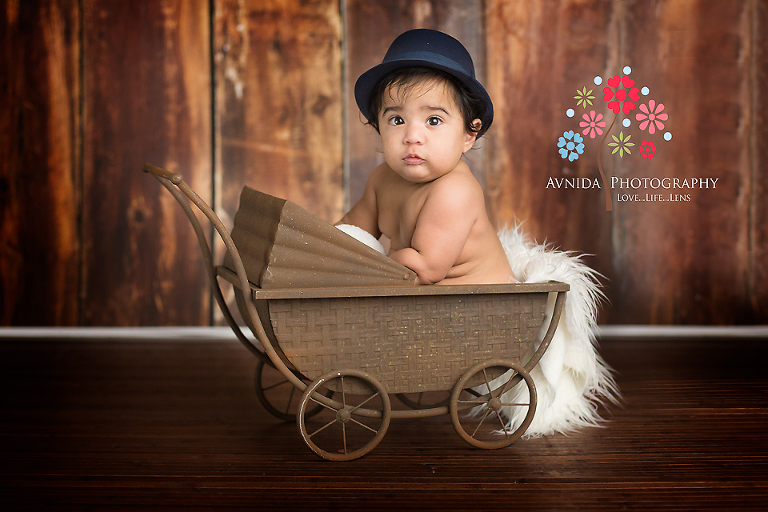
(146, 97)
(279, 102)
(757, 22)
(259, 93)
(39, 156)
(693, 262)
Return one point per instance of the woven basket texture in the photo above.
(409, 343)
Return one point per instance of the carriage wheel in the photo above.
(343, 429)
(478, 420)
(271, 390)
(425, 400)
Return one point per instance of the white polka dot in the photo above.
(627, 70)
(645, 91)
(667, 136)
(598, 80)
(626, 122)
(569, 112)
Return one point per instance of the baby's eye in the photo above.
(396, 120)
(434, 121)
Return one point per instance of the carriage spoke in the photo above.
(268, 390)
(290, 400)
(365, 402)
(323, 427)
(504, 388)
(273, 386)
(479, 429)
(481, 423)
(358, 436)
(503, 425)
(321, 403)
(364, 425)
(487, 382)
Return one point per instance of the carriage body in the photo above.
(336, 317)
(412, 339)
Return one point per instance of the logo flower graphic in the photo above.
(647, 149)
(651, 117)
(571, 145)
(592, 124)
(584, 97)
(622, 144)
(619, 90)
(622, 97)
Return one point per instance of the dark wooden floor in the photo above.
(105, 425)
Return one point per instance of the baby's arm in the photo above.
(364, 214)
(442, 229)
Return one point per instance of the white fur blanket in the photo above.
(571, 379)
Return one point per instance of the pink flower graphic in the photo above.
(592, 124)
(647, 149)
(651, 117)
(621, 89)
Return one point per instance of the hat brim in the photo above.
(367, 82)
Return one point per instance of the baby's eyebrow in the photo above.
(394, 108)
(429, 108)
(441, 109)
(426, 108)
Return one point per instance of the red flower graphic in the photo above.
(647, 149)
(621, 89)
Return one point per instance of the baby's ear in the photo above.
(471, 136)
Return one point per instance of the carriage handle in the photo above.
(168, 179)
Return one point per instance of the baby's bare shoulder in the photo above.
(460, 188)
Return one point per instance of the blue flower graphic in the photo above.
(571, 145)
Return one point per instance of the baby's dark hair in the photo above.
(470, 104)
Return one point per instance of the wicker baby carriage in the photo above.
(347, 327)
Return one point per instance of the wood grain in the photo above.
(39, 155)
(758, 135)
(245, 92)
(168, 424)
(688, 261)
(146, 99)
(278, 100)
(667, 262)
(538, 55)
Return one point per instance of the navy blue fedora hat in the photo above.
(425, 48)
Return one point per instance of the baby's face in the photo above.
(423, 133)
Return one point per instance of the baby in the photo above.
(428, 108)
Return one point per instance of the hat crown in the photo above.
(423, 47)
(431, 45)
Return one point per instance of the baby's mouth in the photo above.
(413, 160)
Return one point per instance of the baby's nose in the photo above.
(414, 135)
